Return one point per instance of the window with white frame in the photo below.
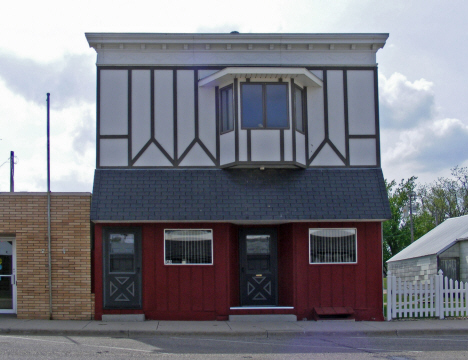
(188, 247)
(331, 246)
(264, 105)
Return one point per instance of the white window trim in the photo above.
(334, 263)
(300, 74)
(190, 264)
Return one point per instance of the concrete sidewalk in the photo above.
(11, 326)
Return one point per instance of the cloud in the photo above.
(444, 144)
(405, 104)
(70, 80)
(414, 139)
(222, 28)
(84, 137)
(72, 143)
(77, 180)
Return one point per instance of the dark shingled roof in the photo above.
(239, 195)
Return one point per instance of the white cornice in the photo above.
(174, 38)
(232, 49)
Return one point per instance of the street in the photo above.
(232, 347)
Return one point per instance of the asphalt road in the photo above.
(191, 347)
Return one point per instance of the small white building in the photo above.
(444, 247)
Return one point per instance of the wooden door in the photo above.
(258, 267)
(122, 268)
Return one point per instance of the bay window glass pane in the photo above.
(277, 105)
(299, 110)
(252, 106)
(227, 110)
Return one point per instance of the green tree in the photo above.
(396, 232)
(461, 176)
(446, 198)
(423, 222)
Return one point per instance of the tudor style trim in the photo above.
(174, 104)
(377, 117)
(129, 117)
(346, 116)
(293, 122)
(215, 158)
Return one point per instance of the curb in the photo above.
(259, 334)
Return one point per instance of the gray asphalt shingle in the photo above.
(239, 194)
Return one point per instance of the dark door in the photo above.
(7, 277)
(258, 267)
(450, 267)
(122, 268)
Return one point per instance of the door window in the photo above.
(258, 244)
(122, 253)
(7, 277)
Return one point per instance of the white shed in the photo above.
(444, 247)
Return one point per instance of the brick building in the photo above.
(24, 264)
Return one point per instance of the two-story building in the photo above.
(238, 174)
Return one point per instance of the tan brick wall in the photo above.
(24, 215)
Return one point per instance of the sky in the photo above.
(423, 75)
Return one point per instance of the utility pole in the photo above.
(411, 196)
(12, 171)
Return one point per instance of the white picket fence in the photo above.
(436, 297)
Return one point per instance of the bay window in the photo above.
(264, 105)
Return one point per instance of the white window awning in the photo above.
(302, 75)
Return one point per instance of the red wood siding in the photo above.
(337, 285)
(207, 292)
(285, 266)
(234, 289)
